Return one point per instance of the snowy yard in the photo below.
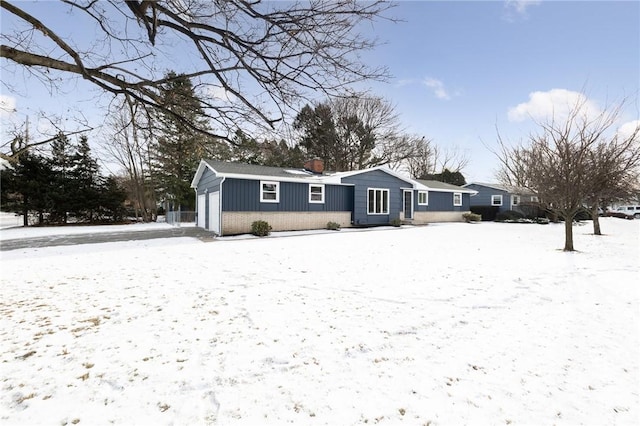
(445, 324)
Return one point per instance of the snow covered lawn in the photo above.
(445, 324)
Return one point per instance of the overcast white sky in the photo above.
(461, 69)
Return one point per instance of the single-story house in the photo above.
(504, 197)
(230, 196)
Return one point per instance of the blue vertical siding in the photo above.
(244, 195)
(380, 180)
(483, 197)
(208, 182)
(442, 202)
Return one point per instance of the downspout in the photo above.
(220, 207)
(197, 210)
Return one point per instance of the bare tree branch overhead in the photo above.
(255, 60)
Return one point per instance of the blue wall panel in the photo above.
(209, 181)
(381, 180)
(483, 197)
(244, 195)
(442, 202)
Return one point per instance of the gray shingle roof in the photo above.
(438, 186)
(507, 188)
(253, 169)
(434, 184)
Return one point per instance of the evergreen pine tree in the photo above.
(111, 200)
(26, 188)
(179, 148)
(63, 191)
(85, 181)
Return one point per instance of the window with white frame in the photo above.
(377, 201)
(496, 200)
(457, 198)
(423, 198)
(534, 199)
(515, 200)
(316, 194)
(269, 191)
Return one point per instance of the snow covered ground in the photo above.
(445, 324)
(8, 220)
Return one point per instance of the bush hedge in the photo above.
(488, 213)
(471, 217)
(333, 226)
(260, 228)
(509, 215)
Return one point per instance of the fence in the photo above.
(176, 218)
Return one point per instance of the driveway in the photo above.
(104, 237)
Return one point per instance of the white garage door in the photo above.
(202, 204)
(214, 212)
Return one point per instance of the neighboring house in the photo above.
(505, 197)
(230, 196)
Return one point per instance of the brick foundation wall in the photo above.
(240, 222)
(427, 217)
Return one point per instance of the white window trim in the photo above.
(269, 182)
(426, 195)
(459, 194)
(314, 185)
(388, 202)
(499, 197)
(534, 198)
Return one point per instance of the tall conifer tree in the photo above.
(179, 148)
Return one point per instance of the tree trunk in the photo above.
(568, 232)
(596, 220)
(25, 216)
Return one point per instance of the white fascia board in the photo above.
(421, 187)
(463, 191)
(335, 179)
(309, 179)
(201, 167)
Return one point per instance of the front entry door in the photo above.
(408, 204)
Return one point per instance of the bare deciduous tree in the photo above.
(21, 141)
(428, 158)
(352, 133)
(615, 172)
(422, 162)
(128, 144)
(366, 128)
(566, 163)
(254, 60)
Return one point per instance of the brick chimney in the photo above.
(314, 166)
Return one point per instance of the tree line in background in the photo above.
(159, 154)
(61, 187)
